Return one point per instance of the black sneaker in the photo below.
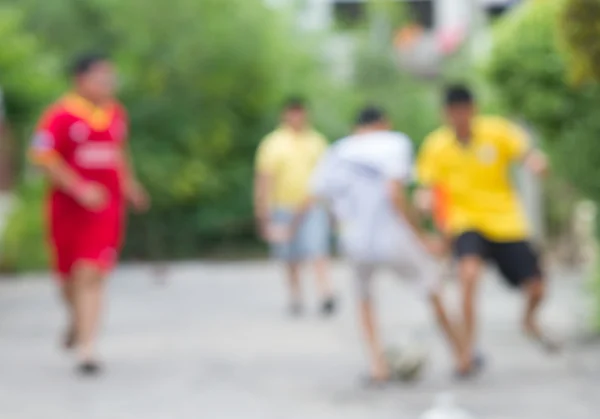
(89, 368)
(477, 366)
(329, 306)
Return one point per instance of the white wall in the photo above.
(317, 14)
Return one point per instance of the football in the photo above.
(406, 362)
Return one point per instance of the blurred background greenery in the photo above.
(204, 79)
(203, 82)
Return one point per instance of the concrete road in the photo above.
(214, 343)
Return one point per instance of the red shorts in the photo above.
(85, 236)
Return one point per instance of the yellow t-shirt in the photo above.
(290, 158)
(477, 179)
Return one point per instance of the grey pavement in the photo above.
(214, 342)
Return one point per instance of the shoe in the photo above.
(89, 368)
(477, 365)
(549, 345)
(329, 306)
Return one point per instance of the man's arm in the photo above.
(45, 152)
(89, 195)
(402, 206)
(263, 189)
(536, 162)
(400, 172)
(515, 143)
(132, 189)
(427, 171)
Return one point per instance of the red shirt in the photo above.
(88, 139)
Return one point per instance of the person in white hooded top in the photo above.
(363, 178)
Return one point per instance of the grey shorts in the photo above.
(312, 240)
(419, 268)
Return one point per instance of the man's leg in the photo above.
(293, 274)
(471, 249)
(379, 368)
(88, 280)
(324, 285)
(67, 290)
(534, 294)
(450, 330)
(535, 291)
(520, 265)
(469, 270)
(314, 241)
(428, 272)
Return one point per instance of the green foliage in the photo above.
(24, 243)
(203, 81)
(412, 104)
(529, 72)
(28, 82)
(531, 75)
(527, 69)
(27, 74)
(581, 34)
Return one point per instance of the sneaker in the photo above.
(329, 306)
(89, 368)
(477, 366)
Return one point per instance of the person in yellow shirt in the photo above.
(285, 162)
(471, 158)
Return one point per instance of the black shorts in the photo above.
(517, 261)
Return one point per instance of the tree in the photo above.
(27, 83)
(203, 80)
(581, 35)
(530, 72)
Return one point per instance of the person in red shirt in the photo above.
(80, 144)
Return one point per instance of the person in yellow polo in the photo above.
(471, 159)
(285, 162)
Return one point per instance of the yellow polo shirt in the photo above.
(477, 178)
(290, 158)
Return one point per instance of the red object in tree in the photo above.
(449, 40)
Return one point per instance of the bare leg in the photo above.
(322, 273)
(379, 368)
(89, 290)
(68, 295)
(328, 304)
(452, 332)
(534, 292)
(470, 268)
(293, 273)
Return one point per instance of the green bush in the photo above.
(530, 74)
(533, 75)
(28, 81)
(203, 81)
(28, 75)
(580, 33)
(24, 242)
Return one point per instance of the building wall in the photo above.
(318, 14)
